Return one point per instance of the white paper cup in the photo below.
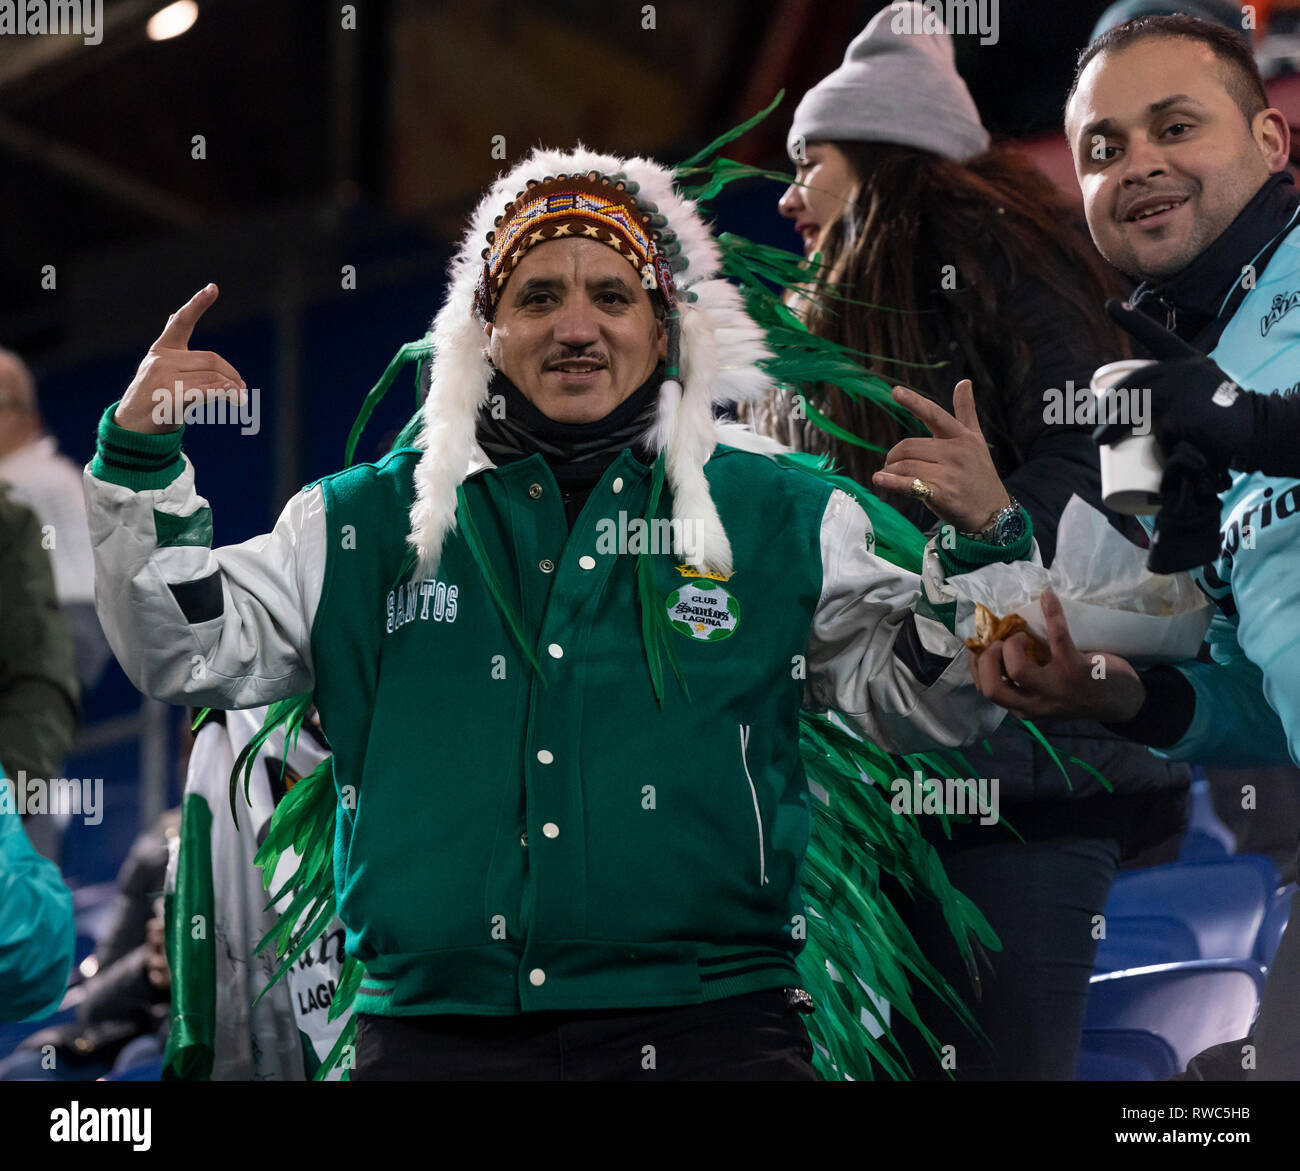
(1130, 470)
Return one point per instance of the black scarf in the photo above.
(576, 453)
(1192, 302)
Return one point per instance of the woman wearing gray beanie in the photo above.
(985, 277)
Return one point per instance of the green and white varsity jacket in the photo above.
(513, 843)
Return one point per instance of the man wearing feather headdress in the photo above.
(560, 646)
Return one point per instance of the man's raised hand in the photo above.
(953, 460)
(154, 403)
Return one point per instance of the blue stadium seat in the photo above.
(1125, 1055)
(92, 908)
(1222, 901)
(13, 1034)
(1191, 1006)
(1138, 941)
(1274, 924)
(1207, 836)
(1199, 845)
(95, 853)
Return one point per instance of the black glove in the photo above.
(1193, 401)
(1187, 526)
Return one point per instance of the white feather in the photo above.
(690, 444)
(458, 388)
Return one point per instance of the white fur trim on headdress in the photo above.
(720, 353)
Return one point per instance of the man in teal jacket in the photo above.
(560, 646)
(1182, 165)
(36, 932)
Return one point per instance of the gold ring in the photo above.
(921, 490)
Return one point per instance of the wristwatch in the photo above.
(1006, 528)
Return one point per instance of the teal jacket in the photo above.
(37, 939)
(1254, 637)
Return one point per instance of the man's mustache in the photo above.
(593, 356)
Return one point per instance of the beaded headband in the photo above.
(585, 207)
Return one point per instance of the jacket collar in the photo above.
(577, 453)
(1199, 301)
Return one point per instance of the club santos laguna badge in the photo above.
(703, 610)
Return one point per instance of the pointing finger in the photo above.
(942, 425)
(176, 333)
(963, 405)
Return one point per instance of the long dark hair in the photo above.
(997, 220)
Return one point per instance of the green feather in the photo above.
(656, 633)
(347, 1040)
(479, 554)
(288, 712)
(1083, 764)
(700, 156)
(350, 978)
(1042, 740)
(420, 350)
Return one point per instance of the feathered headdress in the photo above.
(716, 352)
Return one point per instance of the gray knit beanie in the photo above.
(894, 86)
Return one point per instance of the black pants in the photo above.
(1040, 897)
(743, 1038)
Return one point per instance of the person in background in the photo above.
(121, 1006)
(972, 252)
(1225, 12)
(38, 684)
(1182, 164)
(49, 483)
(37, 939)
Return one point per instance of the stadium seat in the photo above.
(1207, 836)
(1199, 845)
(1222, 901)
(1125, 1055)
(1274, 924)
(92, 908)
(13, 1034)
(1139, 941)
(1191, 1006)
